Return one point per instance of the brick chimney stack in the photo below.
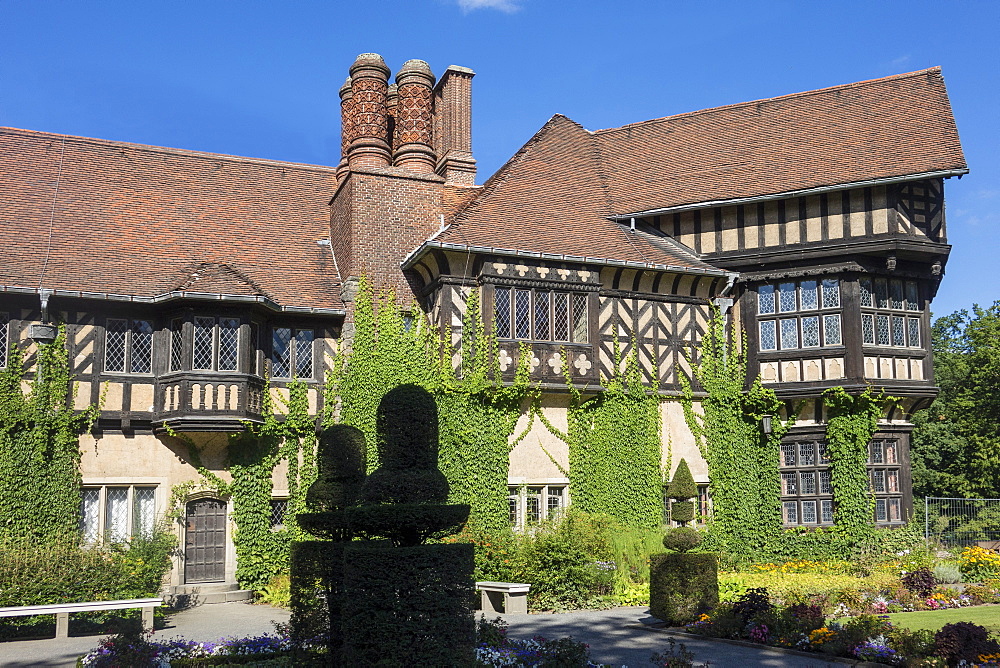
(415, 118)
(346, 126)
(369, 87)
(453, 126)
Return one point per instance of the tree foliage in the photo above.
(956, 443)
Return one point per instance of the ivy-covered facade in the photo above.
(220, 309)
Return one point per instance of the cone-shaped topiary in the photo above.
(681, 489)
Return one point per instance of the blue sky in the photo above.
(261, 78)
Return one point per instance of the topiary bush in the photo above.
(682, 586)
(682, 539)
(682, 489)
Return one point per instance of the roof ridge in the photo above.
(735, 105)
(152, 148)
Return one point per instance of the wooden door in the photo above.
(205, 541)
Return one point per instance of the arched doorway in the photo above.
(205, 541)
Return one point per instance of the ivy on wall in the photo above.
(40, 445)
(742, 461)
(614, 446)
(852, 421)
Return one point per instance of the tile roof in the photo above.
(554, 195)
(143, 221)
(549, 198)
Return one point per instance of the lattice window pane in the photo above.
(580, 318)
(788, 484)
(808, 482)
(143, 511)
(881, 293)
(281, 352)
(807, 452)
(560, 316)
(808, 512)
(876, 452)
(791, 512)
(768, 338)
(788, 454)
(229, 344)
(913, 324)
(894, 510)
(554, 502)
(824, 454)
(141, 360)
(4, 343)
(533, 505)
(892, 480)
(810, 332)
(765, 300)
(90, 513)
(831, 329)
(279, 508)
(831, 293)
(176, 344)
(826, 511)
(116, 514)
(883, 329)
(896, 295)
(808, 294)
(522, 314)
(542, 315)
(867, 296)
(868, 329)
(881, 514)
(898, 330)
(304, 353)
(501, 312)
(789, 333)
(824, 483)
(114, 346)
(786, 297)
(890, 452)
(912, 296)
(878, 481)
(203, 335)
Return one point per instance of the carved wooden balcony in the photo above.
(207, 401)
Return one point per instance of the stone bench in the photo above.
(505, 597)
(63, 610)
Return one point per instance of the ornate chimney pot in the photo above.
(413, 139)
(346, 125)
(369, 88)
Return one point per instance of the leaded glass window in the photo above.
(522, 314)
(114, 345)
(281, 352)
(560, 316)
(826, 511)
(90, 513)
(883, 329)
(542, 315)
(304, 353)
(116, 526)
(768, 337)
(831, 293)
(898, 331)
(789, 333)
(765, 300)
(867, 297)
(824, 483)
(881, 512)
(117, 513)
(896, 295)
(279, 509)
(808, 295)
(807, 453)
(141, 355)
(788, 484)
(580, 318)
(176, 344)
(143, 511)
(912, 297)
(229, 344)
(810, 331)
(4, 336)
(831, 329)
(788, 454)
(913, 324)
(868, 328)
(808, 481)
(786, 297)
(791, 512)
(501, 312)
(808, 512)
(204, 330)
(881, 293)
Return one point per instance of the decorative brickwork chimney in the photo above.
(346, 126)
(415, 118)
(391, 105)
(369, 87)
(453, 126)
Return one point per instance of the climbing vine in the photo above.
(614, 446)
(742, 462)
(852, 421)
(40, 445)
(477, 412)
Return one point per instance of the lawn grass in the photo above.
(984, 615)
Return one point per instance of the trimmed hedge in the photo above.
(316, 584)
(412, 602)
(682, 586)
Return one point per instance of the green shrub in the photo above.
(682, 539)
(278, 592)
(681, 586)
(681, 489)
(947, 573)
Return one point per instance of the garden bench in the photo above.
(512, 597)
(62, 611)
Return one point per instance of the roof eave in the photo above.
(176, 295)
(944, 173)
(417, 253)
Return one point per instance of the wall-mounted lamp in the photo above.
(765, 424)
